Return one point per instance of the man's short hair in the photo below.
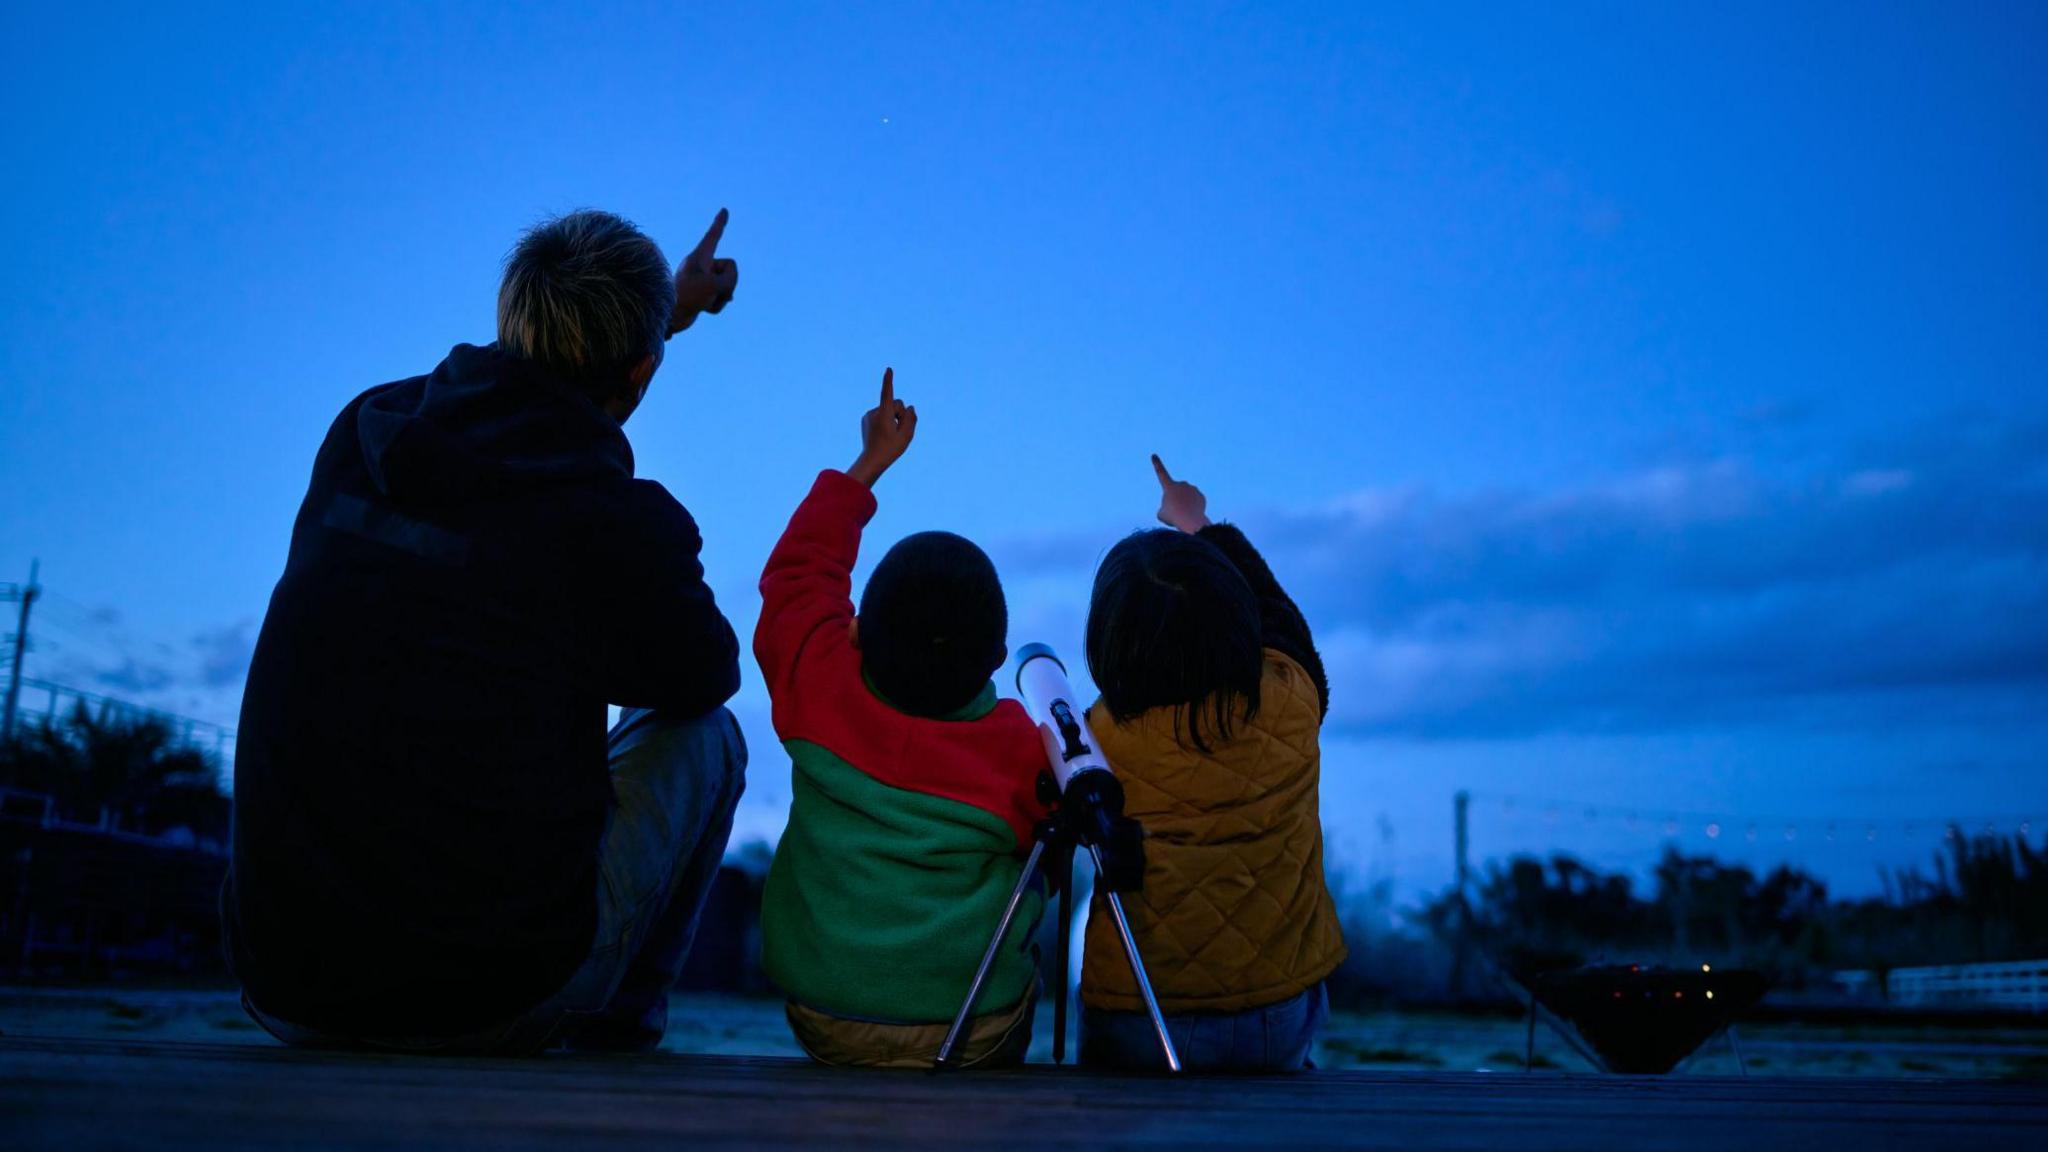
(587, 295)
(932, 623)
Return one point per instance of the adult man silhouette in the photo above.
(438, 847)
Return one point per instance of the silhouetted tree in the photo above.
(130, 770)
(1985, 899)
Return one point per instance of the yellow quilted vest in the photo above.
(1234, 913)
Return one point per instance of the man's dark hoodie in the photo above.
(420, 778)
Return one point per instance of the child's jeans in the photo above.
(1272, 1038)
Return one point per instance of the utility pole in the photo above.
(1462, 955)
(27, 595)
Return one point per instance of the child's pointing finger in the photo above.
(1159, 467)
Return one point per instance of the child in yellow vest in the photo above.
(1212, 700)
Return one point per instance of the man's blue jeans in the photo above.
(676, 783)
(1273, 1038)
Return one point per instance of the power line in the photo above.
(78, 621)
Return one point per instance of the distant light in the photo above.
(1713, 831)
(1710, 993)
(1678, 995)
(1706, 967)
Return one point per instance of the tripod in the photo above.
(1054, 841)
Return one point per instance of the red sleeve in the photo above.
(814, 681)
(807, 588)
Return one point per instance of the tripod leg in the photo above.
(1065, 953)
(988, 958)
(1123, 929)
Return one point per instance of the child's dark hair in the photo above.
(933, 623)
(1173, 623)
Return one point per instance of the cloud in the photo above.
(134, 676)
(92, 649)
(224, 654)
(1911, 579)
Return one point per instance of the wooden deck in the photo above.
(77, 1094)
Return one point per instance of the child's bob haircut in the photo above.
(933, 624)
(1174, 624)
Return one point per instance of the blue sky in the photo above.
(1646, 403)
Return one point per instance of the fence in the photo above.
(200, 733)
(82, 900)
(2020, 985)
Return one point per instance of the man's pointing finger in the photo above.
(709, 243)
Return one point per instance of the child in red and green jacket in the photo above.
(914, 791)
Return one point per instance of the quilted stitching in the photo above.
(1234, 912)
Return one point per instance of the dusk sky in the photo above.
(1648, 406)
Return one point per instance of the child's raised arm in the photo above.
(1183, 506)
(807, 587)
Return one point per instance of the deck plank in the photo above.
(74, 1094)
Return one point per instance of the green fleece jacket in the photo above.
(905, 832)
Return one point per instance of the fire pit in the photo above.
(1645, 1020)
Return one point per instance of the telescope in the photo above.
(1088, 813)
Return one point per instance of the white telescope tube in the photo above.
(1049, 700)
(1091, 815)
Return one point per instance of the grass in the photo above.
(2027, 1068)
(1356, 1053)
(1506, 1059)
